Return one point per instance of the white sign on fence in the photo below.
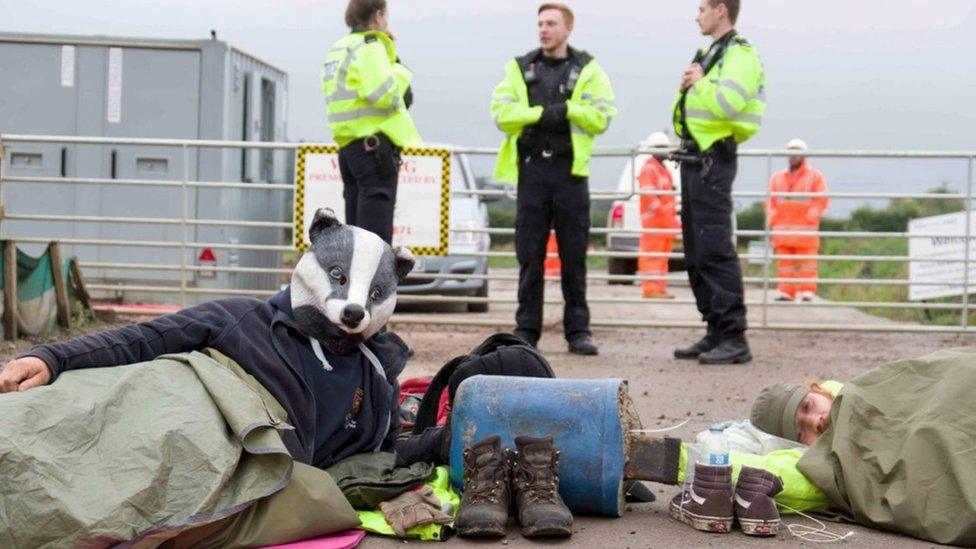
(420, 220)
(947, 241)
(757, 249)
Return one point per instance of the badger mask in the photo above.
(343, 289)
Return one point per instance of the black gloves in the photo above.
(553, 117)
(408, 97)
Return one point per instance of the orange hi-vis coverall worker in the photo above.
(657, 212)
(797, 214)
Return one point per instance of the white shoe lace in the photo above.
(812, 534)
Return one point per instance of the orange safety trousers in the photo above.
(654, 266)
(657, 212)
(796, 268)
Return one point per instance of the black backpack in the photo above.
(500, 355)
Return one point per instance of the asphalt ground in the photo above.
(667, 391)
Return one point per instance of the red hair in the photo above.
(568, 16)
(817, 388)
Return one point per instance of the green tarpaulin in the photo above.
(140, 453)
(36, 302)
(900, 453)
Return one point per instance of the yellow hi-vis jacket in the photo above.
(798, 492)
(728, 101)
(364, 84)
(589, 110)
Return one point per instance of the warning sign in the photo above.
(941, 241)
(421, 216)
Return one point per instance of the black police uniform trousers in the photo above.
(549, 196)
(710, 255)
(369, 194)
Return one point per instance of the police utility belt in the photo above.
(689, 153)
(386, 154)
(547, 146)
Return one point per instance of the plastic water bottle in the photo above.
(715, 449)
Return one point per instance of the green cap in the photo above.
(774, 410)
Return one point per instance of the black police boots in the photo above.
(705, 344)
(730, 350)
(583, 345)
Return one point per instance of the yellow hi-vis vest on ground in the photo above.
(729, 100)
(589, 110)
(798, 492)
(363, 84)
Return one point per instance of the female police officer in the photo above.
(367, 93)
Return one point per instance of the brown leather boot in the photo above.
(487, 495)
(754, 505)
(535, 481)
(707, 504)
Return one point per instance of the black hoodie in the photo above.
(263, 338)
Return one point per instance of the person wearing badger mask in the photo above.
(316, 346)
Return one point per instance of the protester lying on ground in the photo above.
(322, 335)
(890, 449)
(316, 353)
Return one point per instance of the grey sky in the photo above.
(841, 74)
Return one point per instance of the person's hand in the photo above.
(692, 75)
(553, 116)
(24, 373)
(414, 508)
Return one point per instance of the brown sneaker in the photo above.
(486, 498)
(754, 505)
(535, 481)
(707, 504)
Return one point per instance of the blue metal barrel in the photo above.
(582, 416)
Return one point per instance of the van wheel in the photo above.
(621, 266)
(479, 307)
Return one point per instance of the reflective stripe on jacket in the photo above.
(797, 213)
(728, 101)
(657, 211)
(589, 110)
(363, 85)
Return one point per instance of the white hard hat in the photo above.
(657, 139)
(796, 145)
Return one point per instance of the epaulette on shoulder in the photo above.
(741, 41)
(370, 38)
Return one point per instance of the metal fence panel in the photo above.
(280, 224)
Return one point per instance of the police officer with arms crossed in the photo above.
(719, 105)
(550, 105)
(367, 94)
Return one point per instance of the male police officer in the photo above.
(550, 105)
(719, 105)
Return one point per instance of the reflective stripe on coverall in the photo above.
(797, 214)
(657, 212)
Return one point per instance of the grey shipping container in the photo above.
(145, 88)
